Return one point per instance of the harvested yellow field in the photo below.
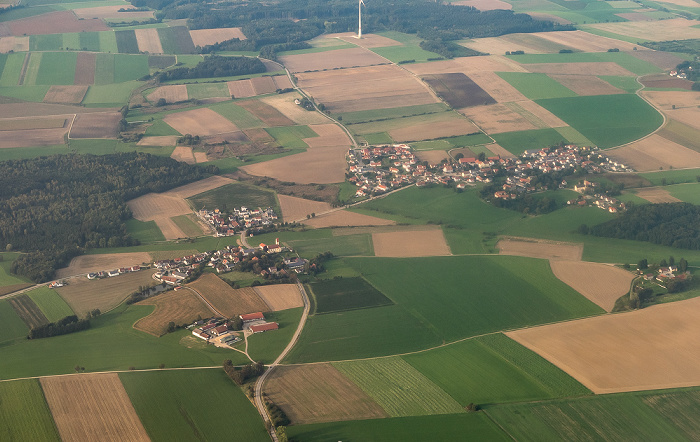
(467, 65)
(648, 349)
(484, 5)
(656, 195)
(164, 140)
(204, 37)
(497, 118)
(228, 301)
(200, 122)
(171, 93)
(601, 283)
(19, 124)
(535, 248)
(148, 40)
(329, 135)
(65, 94)
(181, 307)
(285, 104)
(335, 59)
(587, 84)
(433, 129)
(183, 154)
(241, 89)
(14, 44)
(406, 244)
(280, 296)
(654, 152)
(296, 209)
(499, 89)
(343, 218)
(537, 114)
(590, 68)
(666, 100)
(586, 42)
(92, 407)
(659, 30)
(94, 263)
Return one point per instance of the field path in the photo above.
(211, 307)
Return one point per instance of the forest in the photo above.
(669, 224)
(54, 208)
(215, 66)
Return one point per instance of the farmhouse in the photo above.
(259, 328)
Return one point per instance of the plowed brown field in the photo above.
(656, 195)
(14, 44)
(600, 283)
(65, 94)
(407, 244)
(280, 296)
(536, 248)
(586, 42)
(85, 68)
(241, 89)
(335, 59)
(230, 302)
(661, 30)
(200, 122)
(498, 88)
(203, 37)
(92, 407)
(183, 154)
(295, 209)
(467, 65)
(172, 93)
(165, 140)
(181, 307)
(113, 13)
(433, 130)
(96, 125)
(666, 100)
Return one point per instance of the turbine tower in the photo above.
(359, 15)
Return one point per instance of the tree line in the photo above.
(215, 66)
(69, 324)
(54, 208)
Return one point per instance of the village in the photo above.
(240, 219)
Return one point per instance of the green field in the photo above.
(160, 128)
(268, 345)
(12, 69)
(241, 117)
(625, 60)
(47, 42)
(397, 54)
(520, 141)
(573, 136)
(627, 84)
(607, 120)
(12, 328)
(33, 93)
(337, 295)
(469, 140)
(193, 405)
(187, 225)
(397, 112)
(207, 90)
(89, 41)
(378, 138)
(130, 67)
(57, 68)
(110, 344)
(503, 292)
(24, 413)
(176, 40)
(493, 368)
(108, 41)
(672, 176)
(144, 231)
(233, 196)
(50, 303)
(536, 86)
(690, 193)
(398, 388)
(126, 42)
(109, 95)
(6, 277)
(291, 137)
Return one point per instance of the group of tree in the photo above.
(668, 224)
(242, 374)
(691, 70)
(215, 66)
(277, 415)
(69, 324)
(54, 208)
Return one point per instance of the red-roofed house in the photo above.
(252, 317)
(264, 327)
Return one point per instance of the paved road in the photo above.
(244, 239)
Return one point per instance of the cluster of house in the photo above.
(377, 169)
(214, 328)
(590, 198)
(239, 219)
(665, 274)
(675, 73)
(116, 272)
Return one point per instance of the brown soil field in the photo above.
(407, 244)
(172, 93)
(200, 122)
(329, 135)
(458, 90)
(28, 311)
(367, 40)
(92, 407)
(586, 42)
(113, 13)
(230, 302)
(17, 124)
(96, 125)
(228, 137)
(500, 151)
(535, 248)
(183, 154)
(668, 83)
(16, 110)
(30, 138)
(148, 40)
(652, 348)
(14, 44)
(203, 37)
(484, 5)
(667, 99)
(319, 393)
(654, 152)
(200, 157)
(93, 263)
(241, 89)
(319, 165)
(536, 113)
(7, 289)
(263, 85)
(688, 116)
(496, 87)
(181, 307)
(285, 104)
(295, 209)
(268, 114)
(343, 218)
(660, 30)
(280, 296)
(432, 156)
(432, 130)
(335, 59)
(497, 118)
(467, 65)
(656, 195)
(258, 134)
(690, 3)
(587, 84)
(65, 94)
(165, 140)
(84, 295)
(513, 42)
(590, 68)
(55, 23)
(600, 283)
(85, 68)
(382, 87)
(282, 82)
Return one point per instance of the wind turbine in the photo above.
(359, 15)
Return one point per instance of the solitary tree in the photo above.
(643, 264)
(682, 265)
(671, 261)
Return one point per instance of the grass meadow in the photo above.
(12, 328)
(337, 295)
(207, 90)
(536, 86)
(235, 195)
(193, 405)
(397, 112)
(24, 413)
(144, 231)
(520, 141)
(6, 277)
(690, 193)
(57, 68)
(50, 303)
(241, 117)
(291, 137)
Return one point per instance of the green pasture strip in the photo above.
(24, 413)
(32, 72)
(403, 38)
(504, 292)
(93, 146)
(267, 346)
(346, 335)
(397, 54)
(11, 69)
(90, 41)
(494, 368)
(126, 42)
(108, 42)
(378, 138)
(46, 42)
(536, 86)
(682, 134)
(110, 95)
(18, 153)
(130, 67)
(71, 41)
(469, 426)
(627, 84)
(573, 136)
(57, 68)
(398, 388)
(235, 195)
(19, 13)
(397, 112)
(337, 295)
(187, 225)
(481, 148)
(111, 343)
(160, 128)
(291, 136)
(144, 231)
(238, 115)
(623, 59)
(520, 141)
(672, 176)
(170, 406)
(207, 90)
(33, 93)
(222, 79)
(12, 328)
(160, 61)
(607, 120)
(50, 303)
(690, 193)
